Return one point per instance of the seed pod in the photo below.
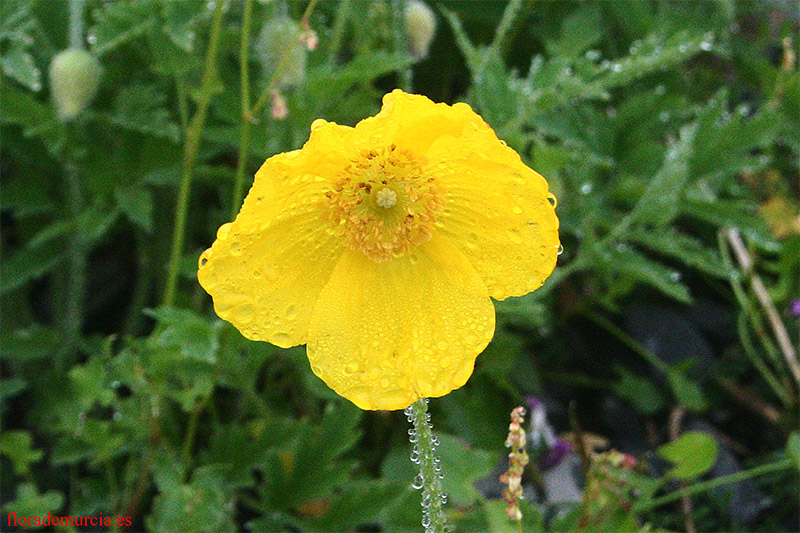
(420, 27)
(74, 77)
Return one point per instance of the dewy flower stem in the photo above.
(429, 478)
(191, 149)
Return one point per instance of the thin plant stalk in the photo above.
(778, 328)
(406, 75)
(429, 478)
(337, 34)
(191, 149)
(244, 136)
(721, 481)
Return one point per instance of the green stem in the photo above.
(429, 478)
(191, 149)
(503, 33)
(76, 23)
(337, 34)
(272, 84)
(244, 136)
(406, 75)
(141, 289)
(714, 483)
(628, 341)
(191, 431)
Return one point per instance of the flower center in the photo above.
(383, 204)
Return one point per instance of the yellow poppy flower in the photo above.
(379, 247)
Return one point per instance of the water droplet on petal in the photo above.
(514, 236)
(291, 312)
(281, 339)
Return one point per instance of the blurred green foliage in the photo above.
(658, 125)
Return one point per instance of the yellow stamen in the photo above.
(383, 204)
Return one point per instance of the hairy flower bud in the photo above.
(420, 27)
(74, 78)
(281, 46)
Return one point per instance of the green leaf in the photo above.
(30, 503)
(727, 213)
(91, 383)
(630, 264)
(204, 504)
(687, 392)
(793, 448)
(137, 204)
(17, 446)
(10, 387)
(142, 108)
(660, 203)
(18, 64)
(640, 391)
(580, 30)
(462, 466)
(686, 249)
(189, 334)
(120, 22)
(359, 503)
(33, 342)
(28, 264)
(693, 454)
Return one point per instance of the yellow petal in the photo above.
(266, 269)
(385, 334)
(498, 212)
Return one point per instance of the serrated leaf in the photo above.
(365, 67)
(120, 22)
(636, 266)
(18, 447)
(726, 143)
(359, 503)
(203, 504)
(687, 249)
(30, 503)
(727, 213)
(136, 203)
(580, 30)
(462, 466)
(192, 336)
(660, 203)
(18, 64)
(693, 454)
(142, 108)
(28, 264)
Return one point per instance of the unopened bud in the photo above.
(280, 46)
(420, 27)
(74, 78)
(279, 110)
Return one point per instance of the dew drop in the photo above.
(291, 312)
(236, 248)
(442, 345)
(472, 240)
(552, 199)
(281, 339)
(705, 46)
(91, 38)
(675, 277)
(663, 116)
(586, 188)
(661, 90)
(244, 313)
(514, 236)
(559, 249)
(516, 209)
(417, 483)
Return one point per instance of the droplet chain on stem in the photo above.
(430, 475)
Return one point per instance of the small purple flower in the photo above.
(555, 454)
(794, 307)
